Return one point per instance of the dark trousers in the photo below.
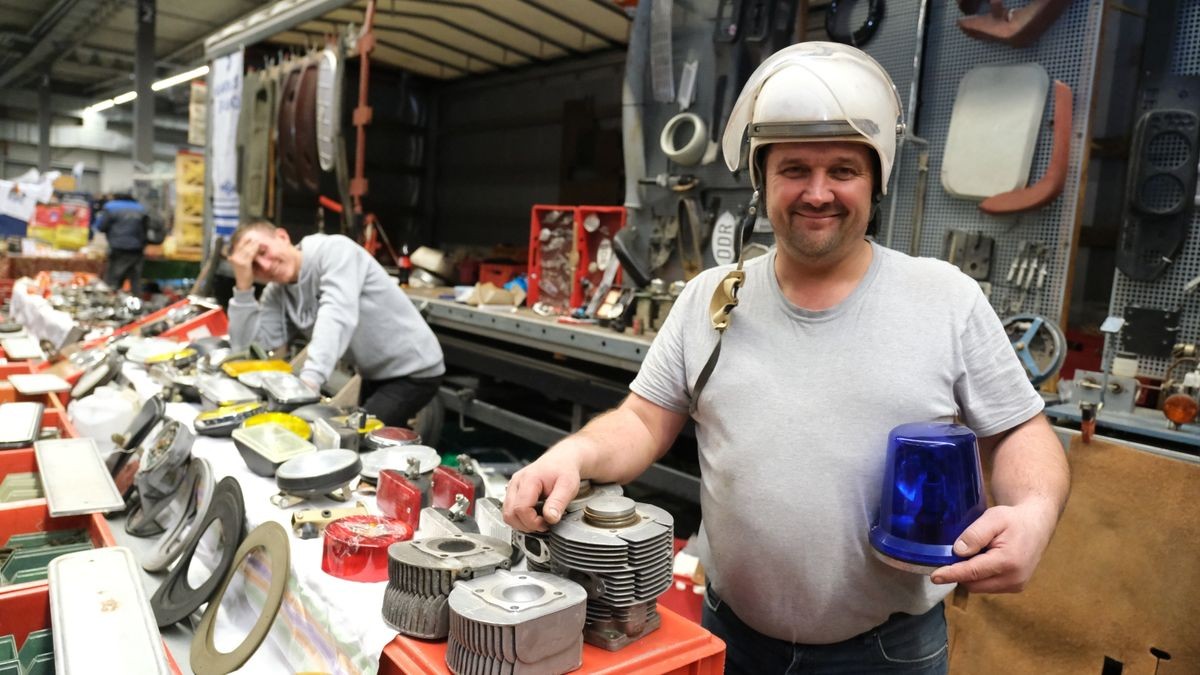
(398, 400)
(903, 644)
(124, 265)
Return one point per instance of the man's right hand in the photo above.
(556, 476)
(241, 259)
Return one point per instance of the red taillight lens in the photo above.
(399, 498)
(356, 546)
(448, 483)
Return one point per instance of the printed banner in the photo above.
(226, 99)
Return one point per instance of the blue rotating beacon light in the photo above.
(932, 491)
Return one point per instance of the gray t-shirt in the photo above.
(793, 424)
(344, 303)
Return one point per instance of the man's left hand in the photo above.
(1014, 536)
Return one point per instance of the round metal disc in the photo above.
(175, 600)
(318, 472)
(397, 458)
(389, 436)
(205, 657)
(316, 411)
(1039, 343)
(200, 497)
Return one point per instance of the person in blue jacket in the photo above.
(123, 221)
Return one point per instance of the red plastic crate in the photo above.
(678, 647)
(15, 368)
(20, 460)
(499, 274)
(537, 214)
(612, 219)
(25, 611)
(209, 324)
(34, 516)
(57, 419)
(28, 609)
(8, 394)
(582, 252)
(685, 597)
(23, 460)
(64, 369)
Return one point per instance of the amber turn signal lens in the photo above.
(1181, 409)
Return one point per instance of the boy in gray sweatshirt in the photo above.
(323, 289)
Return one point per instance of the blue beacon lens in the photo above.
(932, 491)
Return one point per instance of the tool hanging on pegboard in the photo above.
(1028, 270)
(1160, 185)
(971, 252)
(1039, 343)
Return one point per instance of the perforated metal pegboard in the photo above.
(1068, 52)
(1166, 292)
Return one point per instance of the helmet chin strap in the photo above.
(725, 298)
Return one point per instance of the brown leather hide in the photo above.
(1121, 575)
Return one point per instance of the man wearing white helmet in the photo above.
(833, 342)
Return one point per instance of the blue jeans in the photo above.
(903, 644)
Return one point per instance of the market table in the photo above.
(327, 624)
(15, 266)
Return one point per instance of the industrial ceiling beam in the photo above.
(262, 24)
(379, 13)
(578, 25)
(331, 27)
(501, 20)
(63, 25)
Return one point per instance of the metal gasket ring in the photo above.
(200, 493)
(205, 657)
(143, 512)
(175, 600)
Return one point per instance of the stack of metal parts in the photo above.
(516, 623)
(18, 487)
(93, 306)
(621, 552)
(35, 657)
(165, 465)
(25, 557)
(536, 545)
(422, 573)
(556, 243)
(197, 490)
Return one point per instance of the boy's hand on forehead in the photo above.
(242, 258)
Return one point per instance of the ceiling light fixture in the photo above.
(164, 83)
(180, 78)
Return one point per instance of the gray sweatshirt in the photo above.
(343, 304)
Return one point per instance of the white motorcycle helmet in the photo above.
(815, 91)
